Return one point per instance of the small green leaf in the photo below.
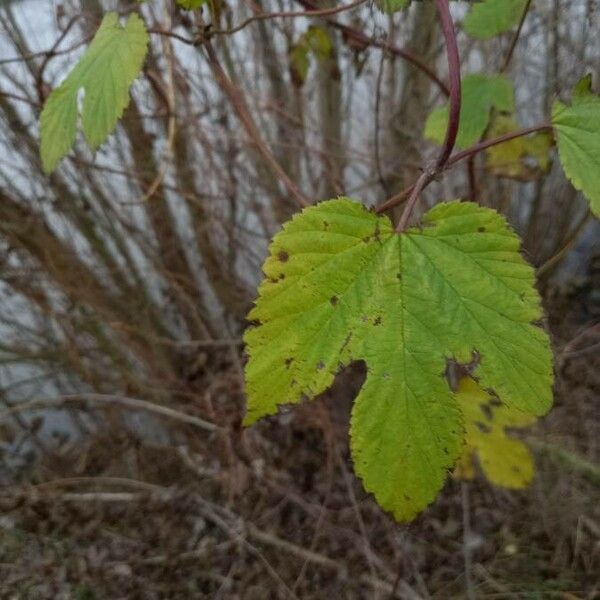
(480, 93)
(492, 17)
(299, 62)
(315, 40)
(577, 130)
(342, 286)
(505, 461)
(105, 73)
(319, 42)
(191, 4)
(392, 6)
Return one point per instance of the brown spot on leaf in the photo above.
(377, 321)
(376, 233)
(482, 427)
(288, 362)
(487, 411)
(334, 300)
(283, 256)
(481, 229)
(320, 365)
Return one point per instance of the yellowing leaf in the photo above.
(105, 73)
(342, 286)
(315, 40)
(191, 4)
(505, 461)
(318, 40)
(577, 129)
(299, 63)
(492, 17)
(523, 158)
(480, 93)
(392, 6)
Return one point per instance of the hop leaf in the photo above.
(493, 17)
(480, 93)
(341, 286)
(578, 138)
(105, 72)
(522, 158)
(505, 461)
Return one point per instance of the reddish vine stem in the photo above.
(459, 156)
(431, 171)
(455, 82)
(507, 137)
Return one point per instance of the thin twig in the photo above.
(548, 266)
(515, 38)
(45, 53)
(376, 144)
(243, 113)
(20, 99)
(323, 12)
(360, 39)
(50, 54)
(171, 101)
(507, 137)
(459, 156)
(131, 403)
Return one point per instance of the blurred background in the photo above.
(125, 277)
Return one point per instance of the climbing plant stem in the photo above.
(431, 171)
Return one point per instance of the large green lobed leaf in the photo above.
(492, 17)
(342, 286)
(578, 138)
(105, 72)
